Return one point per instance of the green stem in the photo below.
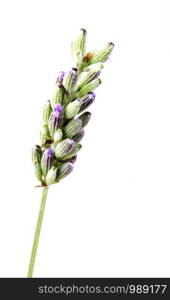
(37, 232)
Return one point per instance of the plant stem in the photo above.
(37, 232)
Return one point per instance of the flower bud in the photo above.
(70, 80)
(87, 101)
(55, 119)
(36, 159)
(57, 96)
(38, 172)
(44, 134)
(90, 74)
(72, 127)
(85, 118)
(51, 176)
(88, 88)
(64, 170)
(47, 160)
(72, 109)
(78, 47)
(78, 137)
(36, 154)
(102, 55)
(73, 152)
(58, 135)
(63, 147)
(46, 112)
(60, 78)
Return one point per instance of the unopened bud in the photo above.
(72, 109)
(47, 160)
(64, 170)
(73, 152)
(89, 75)
(51, 176)
(44, 134)
(72, 127)
(70, 80)
(58, 95)
(60, 78)
(87, 101)
(88, 88)
(63, 147)
(55, 119)
(46, 112)
(36, 154)
(85, 118)
(38, 172)
(79, 47)
(102, 55)
(78, 137)
(58, 135)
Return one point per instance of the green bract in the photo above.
(64, 115)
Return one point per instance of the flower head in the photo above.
(65, 116)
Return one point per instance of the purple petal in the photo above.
(57, 108)
(60, 77)
(48, 152)
(91, 95)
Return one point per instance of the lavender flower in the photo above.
(62, 127)
(62, 124)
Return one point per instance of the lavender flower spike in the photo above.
(63, 122)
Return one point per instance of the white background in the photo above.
(110, 217)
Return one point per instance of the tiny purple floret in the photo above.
(57, 108)
(60, 77)
(49, 152)
(91, 95)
